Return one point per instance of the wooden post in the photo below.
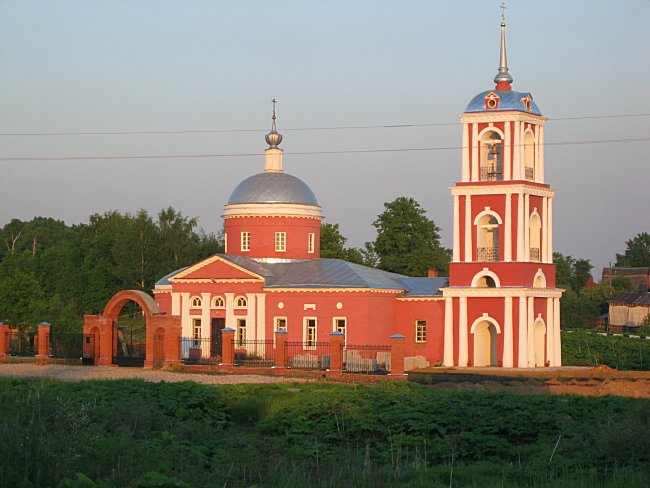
(336, 351)
(397, 355)
(4, 340)
(281, 337)
(44, 329)
(227, 350)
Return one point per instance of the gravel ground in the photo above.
(81, 373)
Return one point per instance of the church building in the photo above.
(499, 306)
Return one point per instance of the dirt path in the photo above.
(81, 373)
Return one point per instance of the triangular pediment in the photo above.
(215, 268)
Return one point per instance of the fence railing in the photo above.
(489, 254)
(68, 346)
(366, 359)
(308, 355)
(205, 350)
(534, 253)
(530, 173)
(491, 173)
(260, 353)
(22, 344)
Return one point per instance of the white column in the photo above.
(456, 243)
(531, 332)
(464, 176)
(507, 251)
(540, 162)
(448, 353)
(261, 317)
(507, 333)
(520, 227)
(230, 310)
(468, 228)
(205, 324)
(522, 343)
(176, 303)
(520, 150)
(557, 350)
(544, 258)
(474, 163)
(251, 316)
(516, 162)
(526, 229)
(550, 332)
(536, 163)
(550, 229)
(507, 148)
(186, 326)
(462, 332)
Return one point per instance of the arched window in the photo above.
(540, 280)
(218, 302)
(486, 279)
(535, 230)
(241, 302)
(491, 147)
(487, 238)
(529, 155)
(196, 302)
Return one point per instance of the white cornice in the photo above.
(514, 116)
(502, 189)
(458, 291)
(333, 290)
(272, 210)
(208, 261)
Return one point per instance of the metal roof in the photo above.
(272, 187)
(165, 279)
(632, 298)
(510, 100)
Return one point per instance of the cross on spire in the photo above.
(274, 101)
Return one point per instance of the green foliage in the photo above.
(407, 241)
(637, 253)
(570, 272)
(586, 348)
(332, 245)
(53, 272)
(131, 433)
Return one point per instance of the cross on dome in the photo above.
(273, 138)
(503, 78)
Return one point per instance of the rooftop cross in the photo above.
(503, 78)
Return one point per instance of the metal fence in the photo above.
(22, 344)
(260, 353)
(366, 359)
(66, 346)
(308, 355)
(204, 350)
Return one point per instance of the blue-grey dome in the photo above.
(509, 100)
(273, 188)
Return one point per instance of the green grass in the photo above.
(586, 348)
(132, 433)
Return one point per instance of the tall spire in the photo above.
(503, 78)
(273, 154)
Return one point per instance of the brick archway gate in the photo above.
(162, 332)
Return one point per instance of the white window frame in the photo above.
(335, 327)
(196, 332)
(245, 241)
(238, 302)
(420, 338)
(240, 338)
(305, 333)
(311, 240)
(276, 328)
(280, 242)
(196, 302)
(218, 302)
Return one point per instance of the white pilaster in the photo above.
(507, 333)
(540, 164)
(448, 353)
(507, 148)
(251, 316)
(464, 176)
(522, 343)
(462, 332)
(456, 243)
(544, 251)
(261, 316)
(230, 310)
(520, 150)
(205, 319)
(550, 332)
(186, 326)
(176, 303)
(531, 332)
(550, 229)
(516, 162)
(475, 163)
(557, 350)
(526, 229)
(468, 228)
(536, 163)
(520, 227)
(507, 251)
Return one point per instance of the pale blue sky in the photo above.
(136, 65)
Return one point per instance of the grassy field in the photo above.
(587, 348)
(132, 433)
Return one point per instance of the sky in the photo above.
(204, 72)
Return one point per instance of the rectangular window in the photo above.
(420, 331)
(280, 323)
(310, 242)
(241, 332)
(340, 325)
(280, 241)
(196, 332)
(310, 333)
(245, 241)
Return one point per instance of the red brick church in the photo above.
(499, 306)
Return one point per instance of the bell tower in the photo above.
(502, 307)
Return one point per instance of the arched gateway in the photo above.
(162, 332)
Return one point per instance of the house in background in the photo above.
(627, 311)
(640, 277)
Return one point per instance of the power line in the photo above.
(286, 129)
(302, 153)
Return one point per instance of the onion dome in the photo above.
(270, 187)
